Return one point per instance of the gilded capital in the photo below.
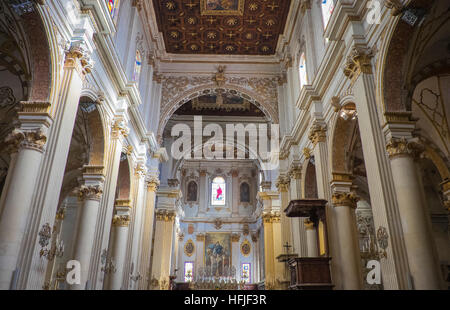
(318, 133)
(282, 184)
(307, 153)
(165, 215)
(305, 5)
(359, 61)
(119, 129)
(269, 217)
(140, 170)
(90, 192)
(235, 237)
(121, 220)
(137, 4)
(28, 139)
(295, 173)
(200, 237)
(398, 147)
(309, 225)
(152, 182)
(78, 58)
(344, 199)
(395, 5)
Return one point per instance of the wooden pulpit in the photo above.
(309, 273)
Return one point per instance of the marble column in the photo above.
(419, 242)
(344, 202)
(311, 237)
(152, 183)
(119, 236)
(29, 146)
(119, 132)
(90, 194)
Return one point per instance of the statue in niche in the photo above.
(192, 191)
(245, 192)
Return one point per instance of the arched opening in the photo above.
(86, 156)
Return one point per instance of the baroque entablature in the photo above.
(177, 90)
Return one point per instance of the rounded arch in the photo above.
(269, 109)
(402, 57)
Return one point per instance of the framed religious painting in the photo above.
(218, 253)
(222, 7)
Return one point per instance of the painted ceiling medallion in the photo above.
(222, 7)
(224, 27)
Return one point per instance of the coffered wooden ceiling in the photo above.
(233, 27)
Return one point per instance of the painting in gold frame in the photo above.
(222, 7)
(217, 255)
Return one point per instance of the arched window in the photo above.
(327, 10)
(218, 191)
(137, 66)
(302, 71)
(113, 8)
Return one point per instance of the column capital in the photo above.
(307, 152)
(235, 237)
(395, 5)
(344, 199)
(200, 237)
(140, 170)
(119, 129)
(359, 61)
(173, 182)
(309, 225)
(137, 4)
(295, 172)
(90, 192)
(402, 147)
(271, 217)
(305, 5)
(33, 139)
(152, 182)
(165, 215)
(318, 132)
(282, 183)
(121, 220)
(78, 58)
(266, 185)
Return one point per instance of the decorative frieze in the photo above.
(28, 139)
(34, 107)
(344, 199)
(398, 147)
(359, 61)
(123, 204)
(121, 220)
(318, 133)
(90, 192)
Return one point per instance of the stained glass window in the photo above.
(137, 66)
(218, 192)
(302, 71)
(245, 276)
(327, 10)
(113, 8)
(188, 271)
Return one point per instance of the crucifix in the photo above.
(287, 247)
